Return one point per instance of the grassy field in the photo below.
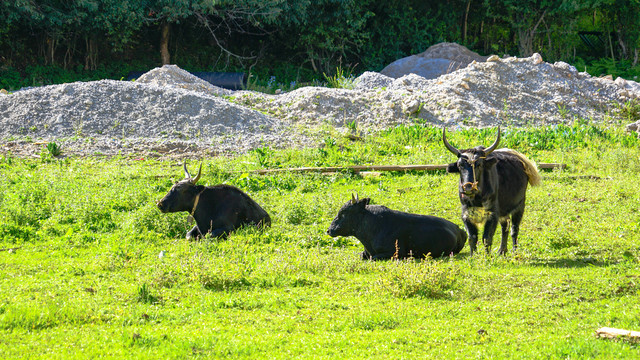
(95, 270)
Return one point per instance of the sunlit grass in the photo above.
(95, 267)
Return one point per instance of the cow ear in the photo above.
(365, 201)
(453, 168)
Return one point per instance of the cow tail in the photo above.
(531, 170)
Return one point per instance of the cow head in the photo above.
(348, 218)
(471, 164)
(182, 195)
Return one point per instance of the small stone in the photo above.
(536, 59)
(410, 107)
(632, 127)
(493, 58)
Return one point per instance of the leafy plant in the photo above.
(342, 79)
(263, 155)
(54, 149)
(630, 110)
(352, 126)
(562, 110)
(145, 296)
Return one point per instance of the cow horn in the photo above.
(353, 198)
(494, 145)
(446, 143)
(195, 180)
(186, 172)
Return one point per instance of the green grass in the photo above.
(100, 272)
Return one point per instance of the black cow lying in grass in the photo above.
(218, 210)
(387, 233)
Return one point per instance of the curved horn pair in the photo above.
(188, 176)
(450, 147)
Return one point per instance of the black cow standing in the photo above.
(492, 189)
(387, 233)
(217, 210)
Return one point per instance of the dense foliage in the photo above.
(91, 268)
(49, 41)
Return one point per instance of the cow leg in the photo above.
(221, 231)
(516, 218)
(489, 230)
(472, 230)
(504, 223)
(382, 247)
(216, 228)
(193, 234)
(382, 256)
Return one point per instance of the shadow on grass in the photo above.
(571, 262)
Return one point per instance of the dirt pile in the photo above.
(170, 111)
(111, 116)
(510, 92)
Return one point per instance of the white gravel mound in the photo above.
(174, 77)
(108, 110)
(512, 91)
(169, 110)
(372, 80)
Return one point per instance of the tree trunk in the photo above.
(464, 24)
(91, 56)
(50, 53)
(613, 57)
(164, 43)
(525, 42)
(526, 36)
(622, 44)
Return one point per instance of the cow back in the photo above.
(513, 180)
(231, 203)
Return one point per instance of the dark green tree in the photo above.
(524, 18)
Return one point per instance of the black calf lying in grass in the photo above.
(386, 233)
(218, 210)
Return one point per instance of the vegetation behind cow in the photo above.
(90, 268)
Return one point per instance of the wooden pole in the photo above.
(612, 333)
(358, 168)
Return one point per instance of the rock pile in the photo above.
(171, 111)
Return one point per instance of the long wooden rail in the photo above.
(358, 168)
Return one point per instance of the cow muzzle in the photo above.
(161, 206)
(469, 188)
